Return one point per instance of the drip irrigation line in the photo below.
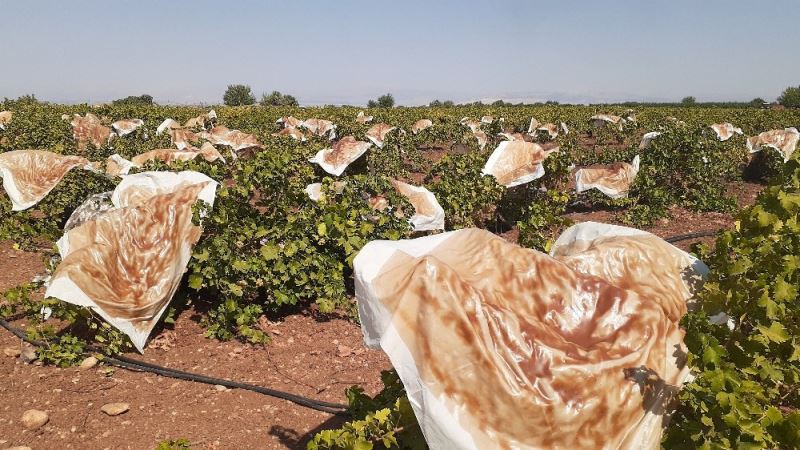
(327, 407)
(142, 366)
(687, 236)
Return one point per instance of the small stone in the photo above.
(28, 353)
(11, 352)
(115, 409)
(88, 363)
(33, 419)
(19, 447)
(343, 351)
(220, 388)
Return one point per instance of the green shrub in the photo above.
(746, 393)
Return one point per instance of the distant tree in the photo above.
(445, 103)
(278, 99)
(238, 95)
(551, 102)
(757, 102)
(790, 98)
(27, 98)
(290, 100)
(143, 99)
(384, 101)
(688, 101)
(498, 103)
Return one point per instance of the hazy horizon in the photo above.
(351, 51)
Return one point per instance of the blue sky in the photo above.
(349, 51)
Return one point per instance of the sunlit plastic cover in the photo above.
(378, 132)
(5, 119)
(725, 131)
(29, 175)
(320, 127)
(235, 139)
(785, 141)
(126, 126)
(613, 180)
(499, 346)
(428, 214)
(420, 125)
(514, 163)
(89, 129)
(127, 262)
(343, 153)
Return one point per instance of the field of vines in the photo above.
(267, 248)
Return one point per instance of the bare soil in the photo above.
(313, 358)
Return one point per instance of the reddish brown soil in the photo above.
(317, 359)
(683, 221)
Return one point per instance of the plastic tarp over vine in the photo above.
(514, 163)
(29, 175)
(785, 141)
(343, 153)
(725, 131)
(126, 262)
(428, 214)
(89, 129)
(5, 119)
(613, 180)
(499, 346)
(378, 132)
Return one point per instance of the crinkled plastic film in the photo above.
(428, 214)
(613, 180)
(784, 141)
(378, 132)
(500, 346)
(29, 175)
(126, 262)
(343, 153)
(514, 163)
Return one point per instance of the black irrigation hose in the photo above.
(687, 236)
(142, 366)
(331, 408)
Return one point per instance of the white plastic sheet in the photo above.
(126, 126)
(343, 153)
(378, 132)
(648, 138)
(613, 180)
(504, 347)
(428, 214)
(516, 162)
(784, 141)
(29, 175)
(126, 262)
(5, 119)
(421, 124)
(725, 131)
